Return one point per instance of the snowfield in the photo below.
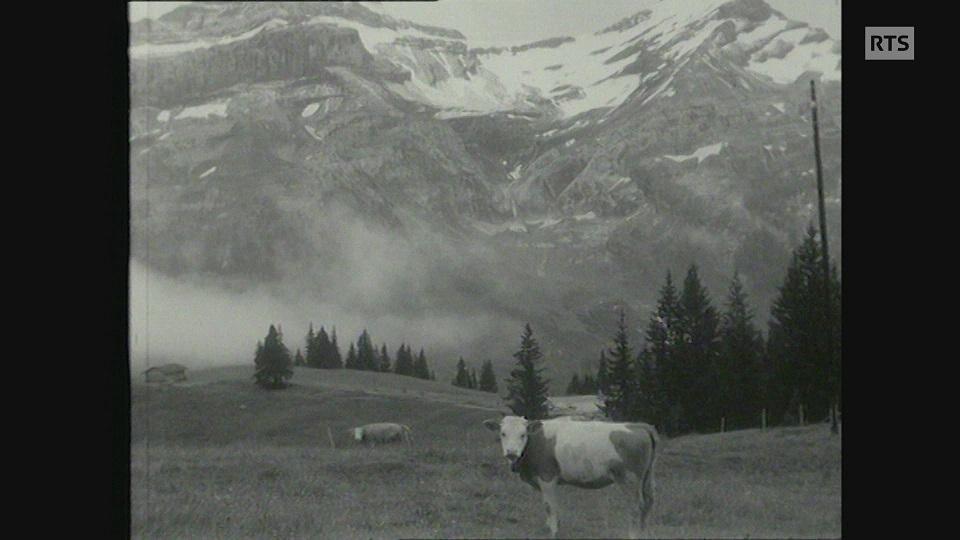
(572, 74)
(700, 154)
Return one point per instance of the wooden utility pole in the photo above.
(825, 259)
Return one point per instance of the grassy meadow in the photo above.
(216, 457)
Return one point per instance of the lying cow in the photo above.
(383, 432)
(585, 454)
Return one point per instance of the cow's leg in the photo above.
(549, 492)
(630, 484)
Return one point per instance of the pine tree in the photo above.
(649, 406)
(462, 378)
(352, 361)
(527, 390)
(660, 377)
(272, 361)
(404, 362)
(488, 379)
(574, 388)
(323, 346)
(366, 353)
(420, 368)
(298, 359)
(802, 373)
(313, 354)
(741, 346)
(620, 401)
(384, 359)
(332, 359)
(696, 353)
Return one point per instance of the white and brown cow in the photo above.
(585, 454)
(382, 432)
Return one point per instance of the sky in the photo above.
(523, 21)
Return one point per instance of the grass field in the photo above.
(219, 458)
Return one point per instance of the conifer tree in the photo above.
(312, 359)
(574, 388)
(650, 406)
(321, 346)
(272, 361)
(802, 373)
(384, 359)
(661, 379)
(366, 353)
(695, 355)
(741, 346)
(620, 401)
(333, 360)
(403, 365)
(462, 378)
(527, 390)
(352, 361)
(420, 368)
(488, 379)
(298, 359)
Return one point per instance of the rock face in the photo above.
(282, 54)
(363, 160)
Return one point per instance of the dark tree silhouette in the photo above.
(741, 349)
(488, 379)
(352, 361)
(403, 365)
(384, 359)
(527, 390)
(462, 378)
(272, 361)
(420, 368)
(620, 401)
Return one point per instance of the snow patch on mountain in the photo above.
(310, 110)
(216, 108)
(148, 50)
(700, 154)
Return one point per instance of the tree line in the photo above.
(701, 367)
(487, 382)
(274, 363)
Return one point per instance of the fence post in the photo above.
(763, 419)
(801, 414)
(330, 434)
(723, 422)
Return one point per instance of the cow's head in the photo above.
(514, 432)
(358, 434)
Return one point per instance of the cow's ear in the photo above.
(492, 424)
(534, 426)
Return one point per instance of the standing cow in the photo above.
(585, 454)
(382, 432)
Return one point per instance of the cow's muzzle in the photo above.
(514, 460)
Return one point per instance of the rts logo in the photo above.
(889, 43)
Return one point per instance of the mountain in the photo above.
(397, 172)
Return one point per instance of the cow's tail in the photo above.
(408, 433)
(648, 483)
